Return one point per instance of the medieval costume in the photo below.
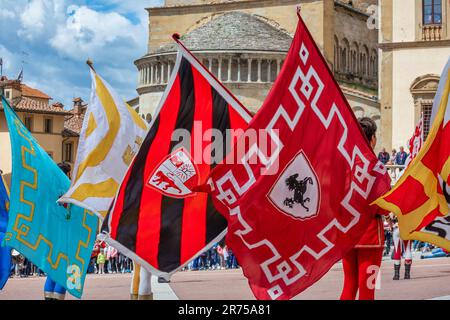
(401, 247)
(141, 286)
(362, 264)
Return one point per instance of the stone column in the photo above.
(239, 70)
(269, 69)
(249, 70)
(210, 64)
(168, 71)
(162, 73)
(259, 70)
(229, 69)
(151, 73)
(219, 72)
(278, 67)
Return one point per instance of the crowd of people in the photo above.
(107, 260)
(395, 158)
(104, 259)
(218, 257)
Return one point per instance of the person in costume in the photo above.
(141, 284)
(52, 290)
(362, 264)
(401, 248)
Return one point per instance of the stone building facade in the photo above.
(244, 44)
(44, 119)
(415, 46)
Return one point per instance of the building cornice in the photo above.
(218, 6)
(390, 46)
(214, 52)
(338, 3)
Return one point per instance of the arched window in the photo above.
(432, 12)
(354, 58)
(336, 54)
(345, 56)
(423, 90)
(365, 61)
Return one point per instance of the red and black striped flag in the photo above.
(156, 218)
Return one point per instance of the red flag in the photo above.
(156, 218)
(298, 207)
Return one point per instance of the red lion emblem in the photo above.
(160, 178)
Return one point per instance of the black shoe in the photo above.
(396, 272)
(407, 271)
(163, 280)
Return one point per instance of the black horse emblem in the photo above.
(299, 187)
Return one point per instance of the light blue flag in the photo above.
(57, 239)
(5, 252)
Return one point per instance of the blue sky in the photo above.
(52, 39)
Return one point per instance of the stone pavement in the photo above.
(97, 287)
(430, 280)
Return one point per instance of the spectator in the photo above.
(226, 256)
(393, 155)
(221, 259)
(101, 259)
(111, 255)
(435, 253)
(388, 236)
(400, 158)
(384, 156)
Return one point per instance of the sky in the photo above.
(52, 39)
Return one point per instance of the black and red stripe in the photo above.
(167, 232)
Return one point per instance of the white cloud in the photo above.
(7, 14)
(55, 37)
(89, 32)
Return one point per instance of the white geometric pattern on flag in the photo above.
(362, 175)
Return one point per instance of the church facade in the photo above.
(244, 44)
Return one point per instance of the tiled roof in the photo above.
(31, 92)
(26, 104)
(73, 124)
(234, 31)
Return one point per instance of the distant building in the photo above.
(244, 44)
(44, 119)
(415, 46)
(73, 124)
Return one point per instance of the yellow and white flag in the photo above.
(111, 135)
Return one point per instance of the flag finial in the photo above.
(90, 64)
(299, 9)
(176, 36)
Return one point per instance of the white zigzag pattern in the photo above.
(361, 173)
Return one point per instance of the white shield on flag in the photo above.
(300, 182)
(175, 176)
